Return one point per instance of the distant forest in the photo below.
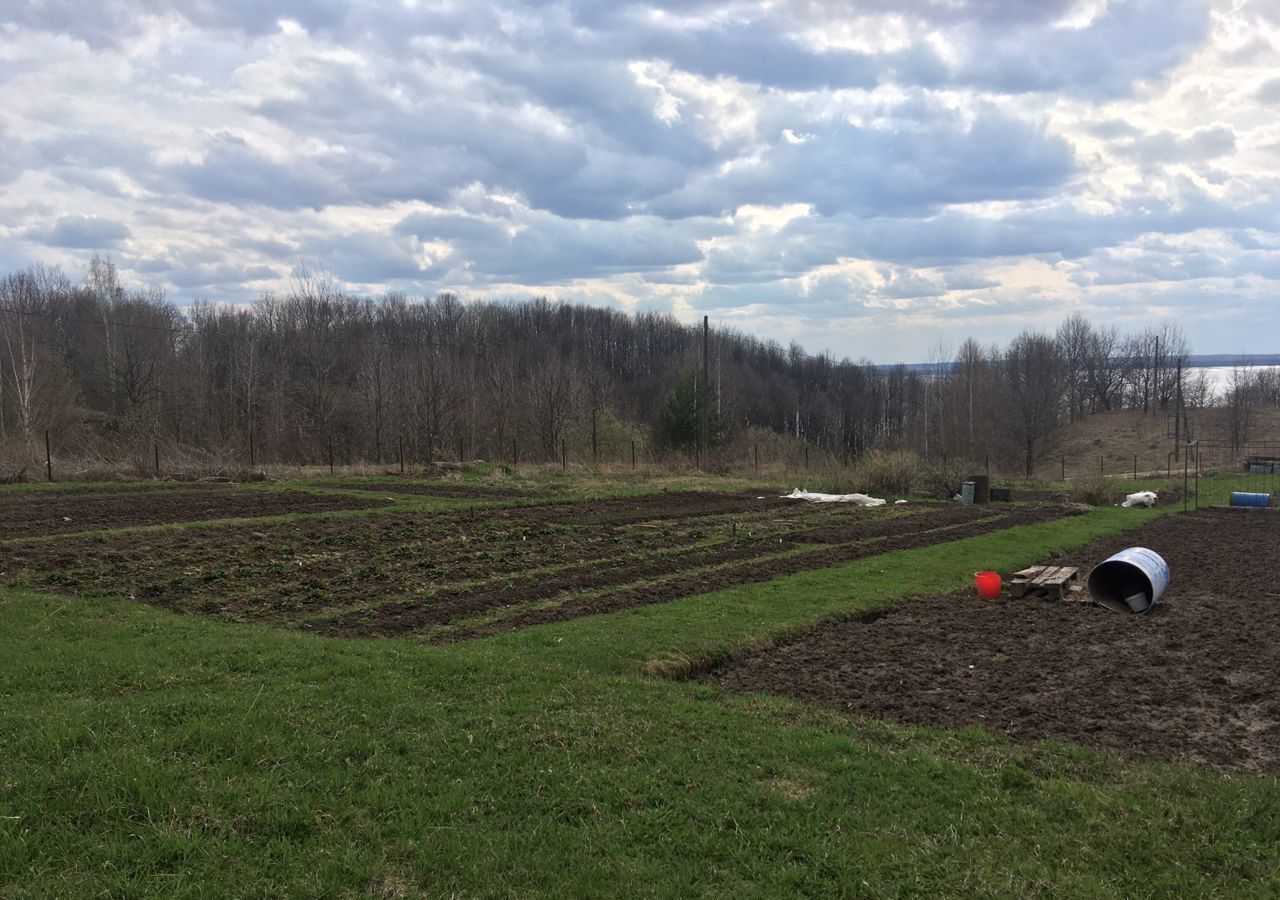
(112, 371)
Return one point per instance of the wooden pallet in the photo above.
(1058, 582)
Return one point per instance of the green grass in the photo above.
(149, 754)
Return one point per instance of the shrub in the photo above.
(1095, 491)
(887, 472)
(943, 479)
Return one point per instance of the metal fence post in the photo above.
(1186, 464)
(48, 457)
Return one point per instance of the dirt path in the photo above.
(1194, 680)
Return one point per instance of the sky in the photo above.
(878, 179)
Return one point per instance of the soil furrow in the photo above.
(718, 579)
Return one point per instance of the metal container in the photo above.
(981, 488)
(1130, 581)
(1248, 498)
(966, 492)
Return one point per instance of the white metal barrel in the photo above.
(1130, 581)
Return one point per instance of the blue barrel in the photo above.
(1130, 581)
(1248, 498)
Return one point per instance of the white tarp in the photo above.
(813, 497)
(1142, 498)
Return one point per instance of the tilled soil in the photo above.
(302, 568)
(437, 489)
(1193, 680)
(37, 513)
(617, 589)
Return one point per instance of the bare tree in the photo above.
(553, 394)
(1031, 378)
(1239, 387)
(1075, 344)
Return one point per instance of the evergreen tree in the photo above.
(680, 421)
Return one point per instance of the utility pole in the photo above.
(706, 392)
(1177, 418)
(1155, 376)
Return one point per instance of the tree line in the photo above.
(314, 372)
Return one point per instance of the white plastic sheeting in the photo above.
(1142, 498)
(814, 497)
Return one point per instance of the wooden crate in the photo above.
(1056, 582)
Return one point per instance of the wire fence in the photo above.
(1228, 474)
(1210, 473)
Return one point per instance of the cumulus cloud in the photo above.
(794, 168)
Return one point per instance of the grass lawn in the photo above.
(148, 754)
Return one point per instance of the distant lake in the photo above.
(1216, 366)
(1220, 376)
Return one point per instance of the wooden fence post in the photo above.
(48, 456)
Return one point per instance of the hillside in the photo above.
(1109, 441)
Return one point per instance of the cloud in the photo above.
(1269, 91)
(1165, 146)
(85, 232)
(824, 169)
(232, 172)
(543, 248)
(909, 164)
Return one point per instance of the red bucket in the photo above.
(988, 585)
